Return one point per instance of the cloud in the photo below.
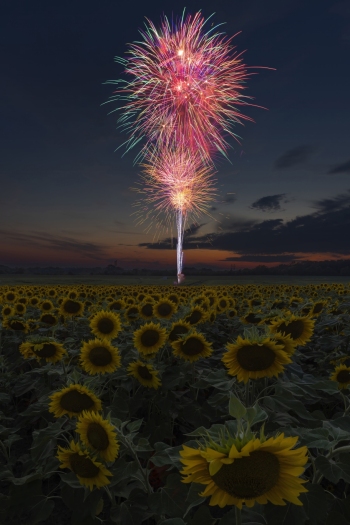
(341, 168)
(262, 258)
(46, 241)
(319, 232)
(293, 157)
(269, 203)
(229, 199)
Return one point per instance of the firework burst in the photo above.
(185, 88)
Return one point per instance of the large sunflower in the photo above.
(288, 345)
(341, 374)
(260, 471)
(98, 434)
(72, 400)
(105, 324)
(146, 309)
(88, 471)
(252, 359)
(299, 328)
(149, 338)
(145, 374)
(192, 347)
(99, 356)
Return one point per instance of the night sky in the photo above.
(65, 197)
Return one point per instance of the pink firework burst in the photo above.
(185, 88)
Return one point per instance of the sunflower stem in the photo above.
(247, 393)
(238, 516)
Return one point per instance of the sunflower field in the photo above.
(175, 405)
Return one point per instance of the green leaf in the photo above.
(328, 468)
(315, 503)
(42, 511)
(202, 516)
(287, 515)
(135, 425)
(236, 408)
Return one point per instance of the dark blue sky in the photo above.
(64, 192)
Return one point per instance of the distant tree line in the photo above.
(339, 267)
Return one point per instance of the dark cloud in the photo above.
(269, 203)
(54, 242)
(340, 168)
(193, 229)
(294, 157)
(228, 199)
(321, 232)
(235, 224)
(261, 258)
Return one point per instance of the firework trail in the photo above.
(185, 86)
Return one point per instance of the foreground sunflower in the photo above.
(260, 471)
(68, 308)
(73, 400)
(164, 308)
(178, 329)
(149, 338)
(99, 356)
(145, 374)
(255, 358)
(98, 434)
(105, 324)
(192, 347)
(341, 374)
(299, 328)
(88, 471)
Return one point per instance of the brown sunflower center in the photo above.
(343, 376)
(147, 310)
(116, 305)
(71, 307)
(105, 325)
(20, 307)
(97, 436)
(48, 319)
(149, 337)
(132, 312)
(10, 296)
(195, 317)
(164, 309)
(144, 373)
(83, 466)
(254, 357)
(192, 346)
(249, 477)
(294, 328)
(48, 350)
(222, 303)
(251, 318)
(318, 307)
(46, 306)
(176, 331)
(76, 401)
(17, 325)
(100, 356)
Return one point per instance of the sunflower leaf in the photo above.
(236, 408)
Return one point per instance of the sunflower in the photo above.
(46, 305)
(16, 323)
(98, 434)
(317, 308)
(341, 374)
(164, 309)
(197, 315)
(146, 310)
(69, 307)
(88, 471)
(260, 471)
(178, 329)
(116, 305)
(20, 308)
(99, 356)
(192, 347)
(105, 324)
(252, 359)
(10, 297)
(7, 311)
(145, 374)
(132, 313)
(42, 348)
(149, 338)
(231, 313)
(299, 328)
(251, 318)
(73, 400)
